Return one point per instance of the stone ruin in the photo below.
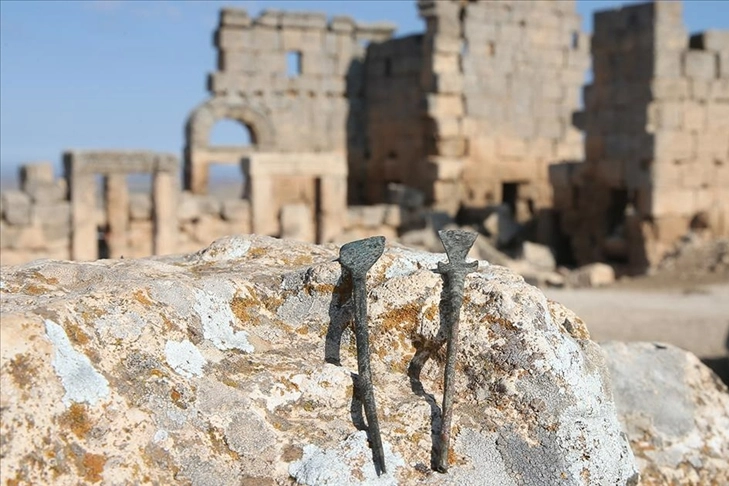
(476, 118)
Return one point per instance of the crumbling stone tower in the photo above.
(480, 104)
(657, 139)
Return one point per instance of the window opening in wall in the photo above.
(293, 64)
(231, 133)
(575, 42)
(616, 243)
(509, 195)
(139, 182)
(388, 67)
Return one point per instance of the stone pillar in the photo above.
(117, 213)
(199, 177)
(84, 240)
(332, 215)
(164, 207)
(264, 220)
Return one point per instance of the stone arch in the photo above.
(198, 151)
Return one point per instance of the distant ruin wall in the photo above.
(36, 219)
(657, 139)
(287, 76)
(502, 80)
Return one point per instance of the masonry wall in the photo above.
(304, 109)
(502, 80)
(657, 139)
(36, 219)
(394, 114)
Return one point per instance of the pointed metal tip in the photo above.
(457, 243)
(359, 256)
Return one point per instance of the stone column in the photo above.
(264, 220)
(199, 175)
(332, 216)
(84, 240)
(117, 213)
(164, 207)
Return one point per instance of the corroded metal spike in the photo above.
(457, 243)
(357, 258)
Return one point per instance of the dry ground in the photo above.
(690, 313)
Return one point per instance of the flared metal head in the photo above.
(358, 256)
(457, 243)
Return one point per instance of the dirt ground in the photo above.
(692, 313)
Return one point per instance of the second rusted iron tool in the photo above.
(457, 243)
(356, 258)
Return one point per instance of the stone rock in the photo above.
(591, 275)
(539, 256)
(675, 411)
(237, 365)
(42, 192)
(502, 225)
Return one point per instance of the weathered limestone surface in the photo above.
(675, 412)
(226, 367)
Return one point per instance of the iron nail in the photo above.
(457, 243)
(356, 258)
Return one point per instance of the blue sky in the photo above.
(125, 74)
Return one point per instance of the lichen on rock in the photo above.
(240, 366)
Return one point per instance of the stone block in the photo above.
(42, 192)
(666, 115)
(446, 63)
(234, 17)
(719, 90)
(672, 145)
(712, 144)
(670, 89)
(393, 216)
(699, 64)
(448, 83)
(297, 222)
(591, 275)
(342, 24)
(718, 116)
(236, 210)
(694, 116)
(444, 127)
(711, 40)
(16, 207)
(668, 65)
(451, 146)
(511, 147)
(444, 168)
(444, 105)
(57, 214)
(699, 89)
(140, 206)
(672, 202)
(36, 173)
(724, 65)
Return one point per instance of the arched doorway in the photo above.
(227, 181)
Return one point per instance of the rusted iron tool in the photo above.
(356, 258)
(457, 243)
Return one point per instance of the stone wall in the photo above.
(502, 80)
(657, 139)
(394, 115)
(36, 219)
(288, 77)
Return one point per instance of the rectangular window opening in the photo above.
(293, 64)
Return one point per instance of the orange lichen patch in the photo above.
(431, 312)
(273, 303)
(46, 280)
(257, 252)
(505, 323)
(91, 314)
(303, 330)
(22, 371)
(328, 289)
(176, 397)
(142, 297)
(32, 289)
(75, 333)
(241, 307)
(93, 467)
(217, 439)
(405, 318)
(76, 419)
(299, 260)
(167, 323)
